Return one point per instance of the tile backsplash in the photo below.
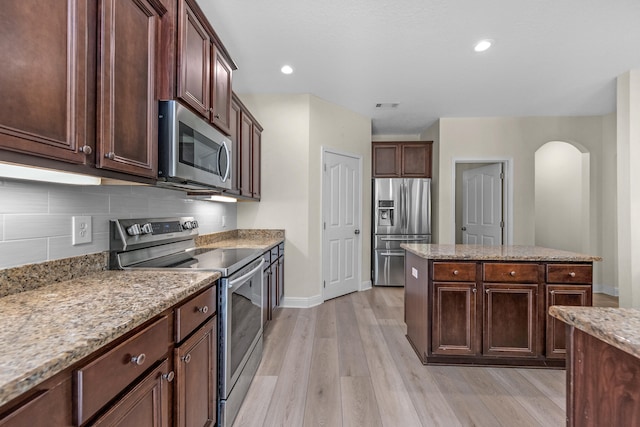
(35, 218)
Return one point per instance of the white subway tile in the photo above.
(21, 252)
(78, 203)
(61, 247)
(131, 206)
(34, 226)
(18, 197)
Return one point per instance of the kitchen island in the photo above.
(488, 305)
(603, 365)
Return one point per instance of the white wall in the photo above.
(35, 218)
(296, 129)
(517, 139)
(561, 208)
(432, 133)
(628, 187)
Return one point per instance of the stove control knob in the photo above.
(134, 230)
(194, 224)
(147, 229)
(187, 225)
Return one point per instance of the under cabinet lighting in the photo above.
(45, 175)
(286, 69)
(223, 199)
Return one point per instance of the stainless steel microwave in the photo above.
(192, 154)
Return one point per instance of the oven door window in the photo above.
(200, 152)
(246, 318)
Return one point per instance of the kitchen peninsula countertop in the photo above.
(495, 253)
(48, 329)
(619, 327)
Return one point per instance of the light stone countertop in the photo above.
(48, 329)
(495, 253)
(619, 327)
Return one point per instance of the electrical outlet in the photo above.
(81, 230)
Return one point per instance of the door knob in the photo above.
(357, 231)
(464, 229)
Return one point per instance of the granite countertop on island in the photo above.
(48, 329)
(495, 253)
(619, 327)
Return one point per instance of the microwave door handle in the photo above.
(246, 276)
(226, 151)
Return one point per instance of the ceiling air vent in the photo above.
(387, 105)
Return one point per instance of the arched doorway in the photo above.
(562, 197)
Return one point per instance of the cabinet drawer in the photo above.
(104, 378)
(510, 273)
(194, 312)
(569, 273)
(454, 271)
(267, 258)
(281, 249)
(274, 253)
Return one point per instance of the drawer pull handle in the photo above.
(487, 291)
(110, 155)
(168, 376)
(513, 273)
(138, 360)
(552, 292)
(203, 310)
(187, 358)
(455, 272)
(572, 274)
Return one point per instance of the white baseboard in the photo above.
(365, 286)
(296, 302)
(606, 289)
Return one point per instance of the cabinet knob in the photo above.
(513, 273)
(168, 376)
(211, 110)
(217, 116)
(552, 292)
(455, 272)
(139, 359)
(572, 274)
(203, 310)
(187, 358)
(475, 290)
(487, 291)
(110, 155)
(86, 149)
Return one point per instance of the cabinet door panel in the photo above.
(194, 57)
(147, 404)
(510, 320)
(127, 106)
(195, 362)
(455, 326)
(386, 161)
(246, 129)
(256, 147)
(45, 78)
(221, 96)
(51, 407)
(235, 140)
(573, 295)
(416, 160)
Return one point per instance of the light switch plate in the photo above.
(81, 230)
(414, 272)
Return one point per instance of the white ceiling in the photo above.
(550, 57)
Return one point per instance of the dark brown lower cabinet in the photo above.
(266, 295)
(603, 383)
(195, 380)
(455, 325)
(575, 295)
(510, 320)
(48, 406)
(147, 404)
(281, 275)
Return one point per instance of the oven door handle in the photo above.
(245, 276)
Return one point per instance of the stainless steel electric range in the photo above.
(169, 243)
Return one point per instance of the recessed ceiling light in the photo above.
(286, 69)
(483, 45)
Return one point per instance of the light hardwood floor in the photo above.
(347, 362)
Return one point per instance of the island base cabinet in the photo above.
(47, 407)
(572, 295)
(147, 405)
(455, 326)
(416, 316)
(510, 320)
(603, 383)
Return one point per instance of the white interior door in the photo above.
(482, 188)
(341, 211)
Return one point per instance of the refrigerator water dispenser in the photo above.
(385, 213)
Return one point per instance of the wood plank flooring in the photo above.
(347, 362)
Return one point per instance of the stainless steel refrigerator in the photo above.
(401, 213)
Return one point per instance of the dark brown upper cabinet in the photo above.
(79, 85)
(401, 159)
(247, 139)
(203, 66)
(46, 78)
(127, 105)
